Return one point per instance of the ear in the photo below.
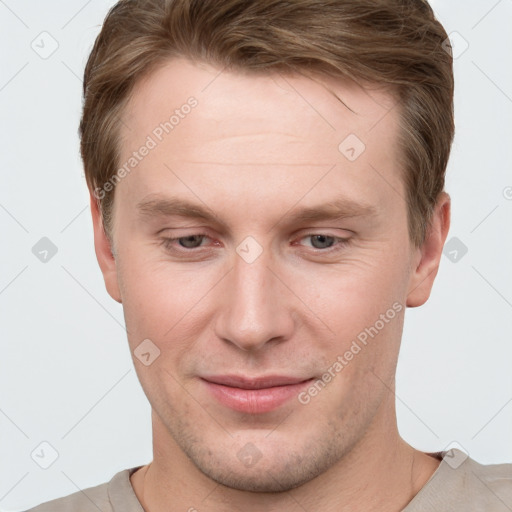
(104, 254)
(428, 255)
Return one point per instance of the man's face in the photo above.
(258, 289)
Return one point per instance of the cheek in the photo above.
(172, 304)
(362, 303)
(351, 296)
(163, 302)
(362, 353)
(164, 306)
(155, 295)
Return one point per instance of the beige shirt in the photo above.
(458, 484)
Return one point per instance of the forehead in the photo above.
(276, 128)
(327, 107)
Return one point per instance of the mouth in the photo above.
(254, 396)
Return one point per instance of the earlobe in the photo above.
(429, 254)
(104, 253)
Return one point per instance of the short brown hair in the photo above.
(394, 43)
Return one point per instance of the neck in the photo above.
(381, 472)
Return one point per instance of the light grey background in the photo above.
(67, 377)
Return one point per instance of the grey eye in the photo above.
(191, 242)
(324, 241)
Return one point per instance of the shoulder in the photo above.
(107, 497)
(494, 482)
(462, 483)
(86, 500)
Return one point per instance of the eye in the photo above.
(318, 241)
(191, 242)
(185, 242)
(322, 241)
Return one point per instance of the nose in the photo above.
(255, 308)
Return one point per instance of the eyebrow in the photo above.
(337, 209)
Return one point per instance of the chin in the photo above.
(258, 479)
(273, 467)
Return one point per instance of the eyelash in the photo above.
(342, 242)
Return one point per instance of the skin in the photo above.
(255, 151)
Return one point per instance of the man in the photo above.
(267, 193)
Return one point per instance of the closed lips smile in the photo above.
(254, 396)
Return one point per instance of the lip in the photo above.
(254, 396)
